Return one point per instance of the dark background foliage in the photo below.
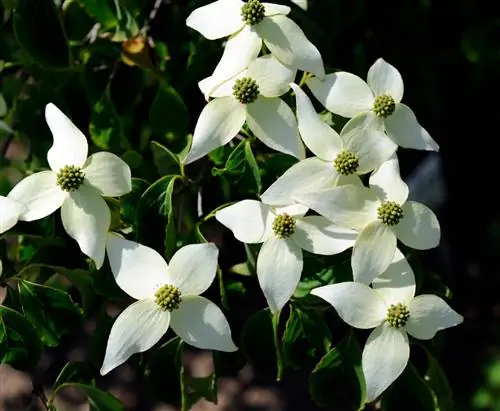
(448, 53)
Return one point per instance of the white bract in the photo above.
(381, 214)
(249, 24)
(379, 101)
(285, 232)
(10, 210)
(251, 96)
(393, 310)
(76, 184)
(168, 296)
(339, 158)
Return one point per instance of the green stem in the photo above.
(277, 346)
(305, 76)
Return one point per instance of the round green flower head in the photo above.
(253, 12)
(397, 315)
(69, 178)
(284, 226)
(346, 163)
(245, 90)
(390, 213)
(168, 297)
(384, 105)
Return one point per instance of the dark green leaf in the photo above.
(102, 10)
(129, 201)
(436, 379)
(73, 372)
(306, 338)
(98, 399)
(194, 389)
(100, 338)
(166, 162)
(39, 31)
(51, 311)
(23, 347)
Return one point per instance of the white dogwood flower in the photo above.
(339, 158)
(249, 24)
(168, 296)
(76, 184)
(393, 310)
(381, 214)
(251, 96)
(285, 232)
(10, 210)
(379, 101)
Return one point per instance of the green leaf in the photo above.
(257, 341)
(132, 158)
(73, 372)
(129, 201)
(100, 338)
(306, 338)
(168, 115)
(22, 348)
(166, 162)
(51, 311)
(196, 388)
(436, 379)
(39, 31)
(164, 372)
(101, 10)
(340, 368)
(98, 399)
(155, 215)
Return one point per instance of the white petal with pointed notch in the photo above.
(76, 184)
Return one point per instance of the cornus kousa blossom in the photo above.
(285, 232)
(251, 96)
(248, 24)
(10, 210)
(379, 101)
(381, 214)
(76, 184)
(339, 159)
(168, 296)
(393, 310)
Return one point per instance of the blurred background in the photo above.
(448, 53)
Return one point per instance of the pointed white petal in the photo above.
(342, 93)
(40, 194)
(192, 268)
(384, 78)
(86, 219)
(419, 227)
(397, 283)
(202, 324)
(318, 136)
(402, 126)
(137, 329)
(384, 358)
(10, 210)
(371, 145)
(318, 235)
(70, 145)
(218, 19)
(219, 122)
(347, 206)
(373, 252)
(273, 123)
(247, 220)
(273, 9)
(240, 50)
(428, 315)
(386, 182)
(287, 41)
(271, 75)
(138, 270)
(108, 174)
(307, 175)
(357, 304)
(279, 266)
(294, 210)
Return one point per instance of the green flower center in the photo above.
(390, 213)
(69, 178)
(246, 90)
(284, 226)
(384, 105)
(346, 163)
(253, 12)
(397, 315)
(168, 297)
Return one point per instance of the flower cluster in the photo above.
(320, 204)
